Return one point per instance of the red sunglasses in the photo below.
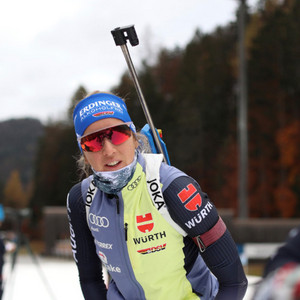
(117, 135)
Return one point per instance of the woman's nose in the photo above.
(108, 147)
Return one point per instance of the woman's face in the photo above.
(111, 157)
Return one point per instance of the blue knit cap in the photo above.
(97, 107)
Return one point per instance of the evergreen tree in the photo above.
(55, 170)
(79, 94)
(192, 92)
(273, 90)
(191, 95)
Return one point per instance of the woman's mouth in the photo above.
(113, 163)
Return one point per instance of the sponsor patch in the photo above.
(98, 221)
(102, 257)
(103, 245)
(152, 249)
(103, 113)
(190, 197)
(150, 237)
(156, 195)
(144, 223)
(201, 215)
(134, 184)
(108, 266)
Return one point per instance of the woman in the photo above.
(147, 223)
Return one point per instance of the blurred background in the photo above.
(224, 89)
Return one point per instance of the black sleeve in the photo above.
(190, 208)
(289, 252)
(83, 247)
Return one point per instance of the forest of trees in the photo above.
(192, 96)
(17, 156)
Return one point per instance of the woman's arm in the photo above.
(191, 209)
(83, 248)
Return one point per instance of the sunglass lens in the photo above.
(117, 135)
(120, 134)
(92, 144)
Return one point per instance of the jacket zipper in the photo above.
(138, 289)
(118, 205)
(126, 228)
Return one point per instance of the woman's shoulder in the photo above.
(151, 158)
(168, 173)
(80, 189)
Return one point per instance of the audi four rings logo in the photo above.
(134, 184)
(98, 221)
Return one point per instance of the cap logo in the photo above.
(97, 107)
(103, 113)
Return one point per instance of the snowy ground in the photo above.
(50, 279)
